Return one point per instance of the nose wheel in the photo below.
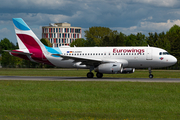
(150, 75)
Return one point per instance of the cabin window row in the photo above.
(103, 54)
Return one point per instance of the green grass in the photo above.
(83, 72)
(89, 100)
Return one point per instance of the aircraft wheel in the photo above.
(99, 75)
(151, 76)
(90, 75)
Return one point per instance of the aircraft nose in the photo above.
(173, 60)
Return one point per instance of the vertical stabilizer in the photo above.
(25, 36)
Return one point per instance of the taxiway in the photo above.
(53, 78)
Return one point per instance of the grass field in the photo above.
(89, 100)
(95, 100)
(83, 72)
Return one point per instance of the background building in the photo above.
(61, 34)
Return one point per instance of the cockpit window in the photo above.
(164, 53)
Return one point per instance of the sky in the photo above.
(126, 16)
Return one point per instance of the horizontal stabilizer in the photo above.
(18, 52)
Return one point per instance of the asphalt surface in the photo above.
(44, 78)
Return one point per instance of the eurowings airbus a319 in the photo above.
(103, 60)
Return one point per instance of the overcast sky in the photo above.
(127, 16)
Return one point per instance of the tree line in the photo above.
(103, 36)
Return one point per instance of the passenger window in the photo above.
(160, 53)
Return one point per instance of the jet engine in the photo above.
(128, 70)
(110, 68)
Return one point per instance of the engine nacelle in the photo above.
(110, 68)
(128, 70)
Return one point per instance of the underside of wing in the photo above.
(85, 60)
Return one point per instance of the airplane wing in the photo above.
(18, 52)
(84, 60)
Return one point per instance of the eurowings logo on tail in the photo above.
(29, 43)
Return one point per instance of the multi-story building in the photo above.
(61, 34)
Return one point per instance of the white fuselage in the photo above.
(130, 57)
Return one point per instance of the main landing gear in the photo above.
(150, 75)
(91, 75)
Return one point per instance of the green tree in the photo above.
(141, 40)
(5, 44)
(96, 35)
(131, 40)
(80, 42)
(46, 42)
(151, 40)
(163, 42)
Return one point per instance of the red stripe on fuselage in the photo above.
(33, 48)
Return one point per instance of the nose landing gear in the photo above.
(150, 75)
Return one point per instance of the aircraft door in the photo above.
(149, 54)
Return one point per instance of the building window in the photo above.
(77, 30)
(66, 30)
(72, 30)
